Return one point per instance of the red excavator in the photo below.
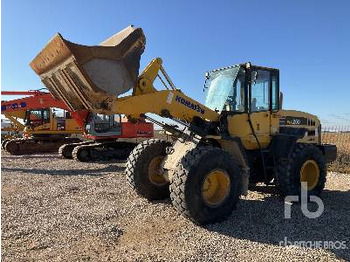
(108, 135)
(44, 129)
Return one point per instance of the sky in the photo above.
(307, 40)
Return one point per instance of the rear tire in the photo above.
(306, 163)
(206, 185)
(143, 170)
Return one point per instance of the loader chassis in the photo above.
(237, 134)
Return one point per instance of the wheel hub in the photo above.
(310, 173)
(216, 187)
(155, 172)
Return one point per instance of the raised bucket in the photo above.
(90, 77)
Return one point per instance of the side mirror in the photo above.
(207, 77)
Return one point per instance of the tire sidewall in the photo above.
(209, 161)
(308, 153)
(142, 183)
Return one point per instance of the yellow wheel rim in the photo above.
(216, 187)
(155, 172)
(310, 173)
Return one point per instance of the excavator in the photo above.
(240, 134)
(102, 131)
(14, 128)
(109, 137)
(44, 131)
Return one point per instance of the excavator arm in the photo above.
(13, 117)
(35, 100)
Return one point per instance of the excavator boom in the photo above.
(37, 100)
(34, 100)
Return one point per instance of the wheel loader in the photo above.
(240, 135)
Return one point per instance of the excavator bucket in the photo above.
(90, 77)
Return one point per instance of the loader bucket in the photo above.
(90, 77)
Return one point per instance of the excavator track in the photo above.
(25, 146)
(66, 150)
(3, 143)
(102, 151)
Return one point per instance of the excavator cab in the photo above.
(55, 120)
(100, 125)
(36, 118)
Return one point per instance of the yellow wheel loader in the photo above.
(241, 134)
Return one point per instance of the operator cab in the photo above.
(38, 117)
(101, 125)
(247, 97)
(243, 88)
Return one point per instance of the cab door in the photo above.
(260, 106)
(262, 93)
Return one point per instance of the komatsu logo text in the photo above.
(189, 104)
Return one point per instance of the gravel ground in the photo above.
(60, 210)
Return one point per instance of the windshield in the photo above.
(226, 90)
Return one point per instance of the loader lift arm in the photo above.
(91, 78)
(171, 103)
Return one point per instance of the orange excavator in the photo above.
(41, 122)
(44, 130)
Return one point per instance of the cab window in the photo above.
(260, 83)
(235, 101)
(275, 92)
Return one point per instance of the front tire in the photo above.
(206, 185)
(143, 169)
